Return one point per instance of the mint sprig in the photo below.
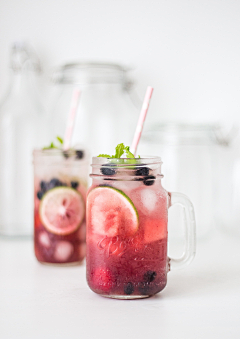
(119, 151)
(128, 153)
(104, 156)
(60, 140)
(53, 146)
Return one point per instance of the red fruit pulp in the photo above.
(53, 248)
(136, 265)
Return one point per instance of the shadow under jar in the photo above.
(127, 221)
(60, 186)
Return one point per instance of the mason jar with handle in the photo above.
(127, 228)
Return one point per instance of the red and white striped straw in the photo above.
(141, 120)
(71, 119)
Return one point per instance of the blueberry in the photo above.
(43, 186)
(149, 180)
(65, 154)
(74, 184)
(40, 195)
(107, 170)
(128, 288)
(142, 171)
(55, 183)
(144, 288)
(149, 276)
(79, 154)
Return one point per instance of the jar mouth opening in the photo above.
(70, 155)
(82, 73)
(127, 163)
(178, 133)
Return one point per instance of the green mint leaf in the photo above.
(128, 153)
(50, 146)
(60, 140)
(104, 156)
(119, 150)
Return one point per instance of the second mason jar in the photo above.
(60, 185)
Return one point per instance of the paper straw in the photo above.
(141, 120)
(71, 119)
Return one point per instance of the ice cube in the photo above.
(148, 198)
(63, 251)
(44, 239)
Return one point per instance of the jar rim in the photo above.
(81, 73)
(70, 155)
(126, 162)
(183, 134)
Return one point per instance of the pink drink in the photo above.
(59, 206)
(127, 230)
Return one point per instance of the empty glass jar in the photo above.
(106, 114)
(189, 158)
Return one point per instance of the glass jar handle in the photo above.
(190, 230)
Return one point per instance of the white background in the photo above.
(188, 50)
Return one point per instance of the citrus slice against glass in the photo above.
(62, 210)
(111, 212)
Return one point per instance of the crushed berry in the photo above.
(128, 288)
(144, 288)
(149, 276)
(149, 180)
(142, 171)
(105, 170)
(43, 186)
(74, 184)
(66, 155)
(79, 154)
(55, 183)
(40, 195)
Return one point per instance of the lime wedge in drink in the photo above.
(111, 212)
(62, 210)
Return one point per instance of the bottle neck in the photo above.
(22, 83)
(22, 94)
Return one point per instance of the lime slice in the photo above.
(110, 212)
(62, 210)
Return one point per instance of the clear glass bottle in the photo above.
(107, 112)
(22, 127)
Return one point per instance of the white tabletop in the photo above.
(49, 302)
